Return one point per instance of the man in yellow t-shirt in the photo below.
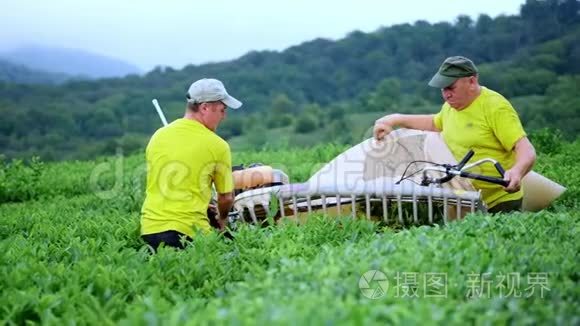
(475, 117)
(184, 159)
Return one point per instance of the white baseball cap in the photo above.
(210, 90)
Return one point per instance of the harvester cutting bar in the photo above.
(305, 198)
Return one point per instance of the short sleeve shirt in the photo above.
(184, 159)
(491, 127)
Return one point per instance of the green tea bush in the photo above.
(18, 179)
(547, 140)
(71, 254)
(80, 260)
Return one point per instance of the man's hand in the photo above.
(212, 215)
(215, 220)
(223, 223)
(212, 209)
(525, 158)
(514, 176)
(383, 127)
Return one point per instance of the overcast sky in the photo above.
(178, 32)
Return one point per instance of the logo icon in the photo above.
(373, 284)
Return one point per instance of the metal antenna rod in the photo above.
(159, 111)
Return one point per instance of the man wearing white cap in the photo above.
(184, 159)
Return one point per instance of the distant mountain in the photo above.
(19, 74)
(71, 62)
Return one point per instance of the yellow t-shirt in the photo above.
(183, 159)
(491, 127)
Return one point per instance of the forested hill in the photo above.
(318, 91)
(15, 73)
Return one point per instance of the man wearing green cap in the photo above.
(475, 117)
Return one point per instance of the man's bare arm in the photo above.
(225, 203)
(385, 125)
(525, 159)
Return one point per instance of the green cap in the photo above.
(451, 70)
